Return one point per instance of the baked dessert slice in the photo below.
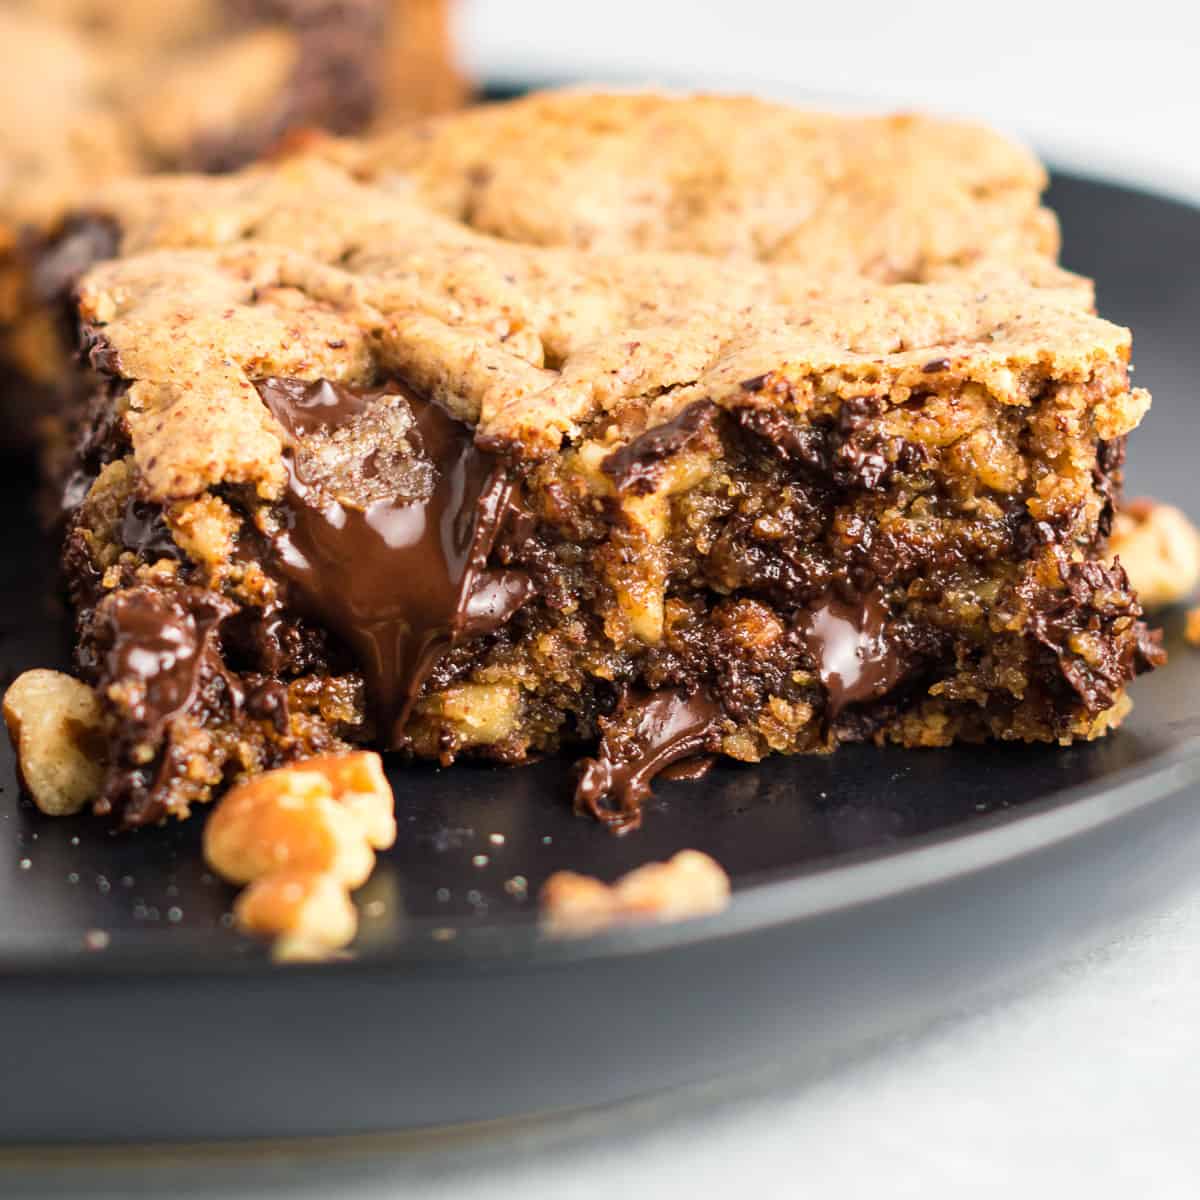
(125, 88)
(356, 473)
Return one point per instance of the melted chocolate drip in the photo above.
(650, 731)
(165, 648)
(164, 645)
(269, 702)
(855, 658)
(400, 578)
(689, 770)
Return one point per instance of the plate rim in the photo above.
(782, 898)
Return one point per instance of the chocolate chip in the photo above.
(636, 466)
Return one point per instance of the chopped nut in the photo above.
(1160, 550)
(689, 885)
(360, 785)
(302, 837)
(323, 814)
(286, 819)
(53, 721)
(310, 913)
(481, 713)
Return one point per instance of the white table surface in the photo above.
(1088, 1082)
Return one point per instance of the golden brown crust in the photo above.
(298, 270)
(894, 198)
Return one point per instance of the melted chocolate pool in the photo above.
(399, 577)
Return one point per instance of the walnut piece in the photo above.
(689, 885)
(1159, 548)
(323, 814)
(303, 837)
(54, 723)
(310, 913)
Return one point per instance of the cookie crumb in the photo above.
(689, 885)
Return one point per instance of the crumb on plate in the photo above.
(689, 885)
(302, 838)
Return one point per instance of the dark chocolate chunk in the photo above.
(162, 643)
(269, 702)
(849, 643)
(390, 514)
(635, 467)
(335, 84)
(1108, 477)
(649, 732)
(845, 451)
(864, 457)
(161, 647)
(144, 531)
(789, 438)
(1094, 601)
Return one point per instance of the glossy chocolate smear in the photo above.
(164, 644)
(144, 531)
(390, 513)
(849, 643)
(650, 731)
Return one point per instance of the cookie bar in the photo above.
(357, 473)
(124, 88)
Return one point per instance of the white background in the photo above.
(1110, 87)
(1088, 1083)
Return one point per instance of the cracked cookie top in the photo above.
(298, 270)
(896, 198)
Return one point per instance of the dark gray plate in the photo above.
(872, 890)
